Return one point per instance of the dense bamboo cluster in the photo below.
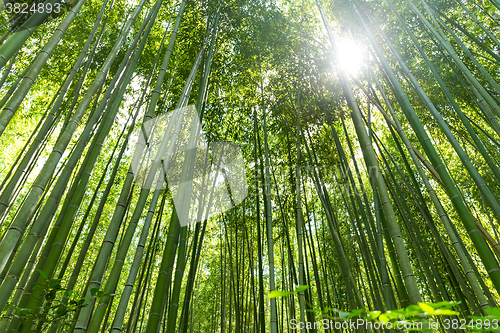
(377, 189)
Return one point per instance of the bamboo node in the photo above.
(17, 229)
(473, 231)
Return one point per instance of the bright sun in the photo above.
(350, 56)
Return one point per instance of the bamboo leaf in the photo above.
(446, 312)
(278, 293)
(300, 289)
(426, 308)
(42, 273)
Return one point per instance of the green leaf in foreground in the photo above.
(301, 288)
(279, 293)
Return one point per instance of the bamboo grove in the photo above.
(377, 188)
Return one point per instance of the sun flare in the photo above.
(350, 56)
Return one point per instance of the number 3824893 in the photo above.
(472, 324)
(24, 8)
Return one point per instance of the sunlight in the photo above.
(350, 56)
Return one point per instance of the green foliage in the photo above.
(58, 307)
(423, 313)
(99, 293)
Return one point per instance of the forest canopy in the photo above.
(248, 166)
